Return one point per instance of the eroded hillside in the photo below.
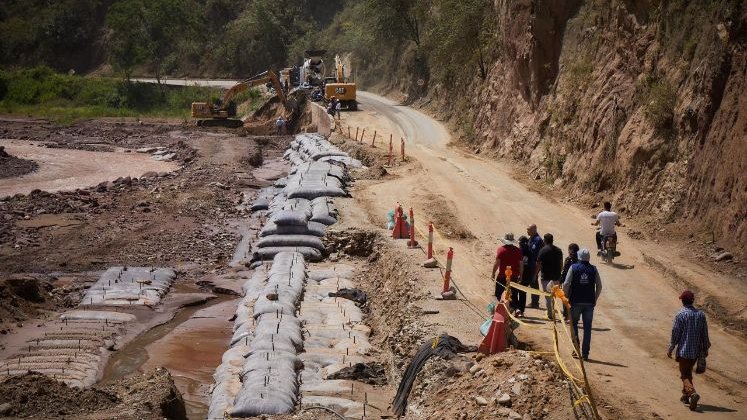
(640, 101)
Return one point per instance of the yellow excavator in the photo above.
(220, 113)
(338, 88)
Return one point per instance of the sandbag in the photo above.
(260, 204)
(288, 217)
(318, 190)
(291, 241)
(312, 228)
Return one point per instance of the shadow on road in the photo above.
(600, 362)
(706, 408)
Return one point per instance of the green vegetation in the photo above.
(659, 103)
(42, 92)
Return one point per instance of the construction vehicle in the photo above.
(338, 88)
(312, 71)
(221, 113)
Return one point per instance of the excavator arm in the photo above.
(221, 112)
(260, 79)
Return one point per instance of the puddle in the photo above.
(193, 350)
(133, 355)
(50, 220)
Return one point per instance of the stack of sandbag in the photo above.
(316, 179)
(314, 147)
(125, 286)
(283, 223)
(269, 375)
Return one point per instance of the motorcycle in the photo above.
(609, 249)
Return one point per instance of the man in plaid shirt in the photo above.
(690, 336)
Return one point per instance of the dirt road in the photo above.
(629, 369)
(68, 169)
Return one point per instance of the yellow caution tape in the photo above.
(557, 292)
(530, 290)
(582, 399)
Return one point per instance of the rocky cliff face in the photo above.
(638, 101)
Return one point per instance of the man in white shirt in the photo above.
(607, 220)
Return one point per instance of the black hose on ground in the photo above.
(444, 346)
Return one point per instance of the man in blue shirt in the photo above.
(690, 337)
(535, 244)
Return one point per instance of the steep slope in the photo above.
(636, 101)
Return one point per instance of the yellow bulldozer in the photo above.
(336, 87)
(221, 113)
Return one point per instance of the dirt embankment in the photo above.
(11, 166)
(148, 396)
(636, 102)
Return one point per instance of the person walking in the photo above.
(535, 244)
(583, 286)
(690, 338)
(519, 297)
(550, 266)
(507, 256)
(571, 259)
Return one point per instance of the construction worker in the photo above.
(690, 337)
(583, 286)
(280, 125)
(535, 244)
(338, 108)
(507, 256)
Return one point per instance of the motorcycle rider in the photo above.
(606, 220)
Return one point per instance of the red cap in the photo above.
(687, 295)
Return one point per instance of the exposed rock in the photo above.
(504, 400)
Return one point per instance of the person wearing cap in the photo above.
(509, 255)
(583, 286)
(690, 337)
(535, 245)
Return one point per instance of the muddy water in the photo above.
(68, 169)
(192, 351)
(182, 345)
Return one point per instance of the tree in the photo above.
(149, 31)
(458, 35)
(126, 39)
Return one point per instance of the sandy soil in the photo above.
(67, 169)
(633, 319)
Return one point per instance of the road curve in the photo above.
(632, 322)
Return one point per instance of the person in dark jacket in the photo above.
(571, 259)
(519, 297)
(550, 266)
(583, 286)
(535, 244)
